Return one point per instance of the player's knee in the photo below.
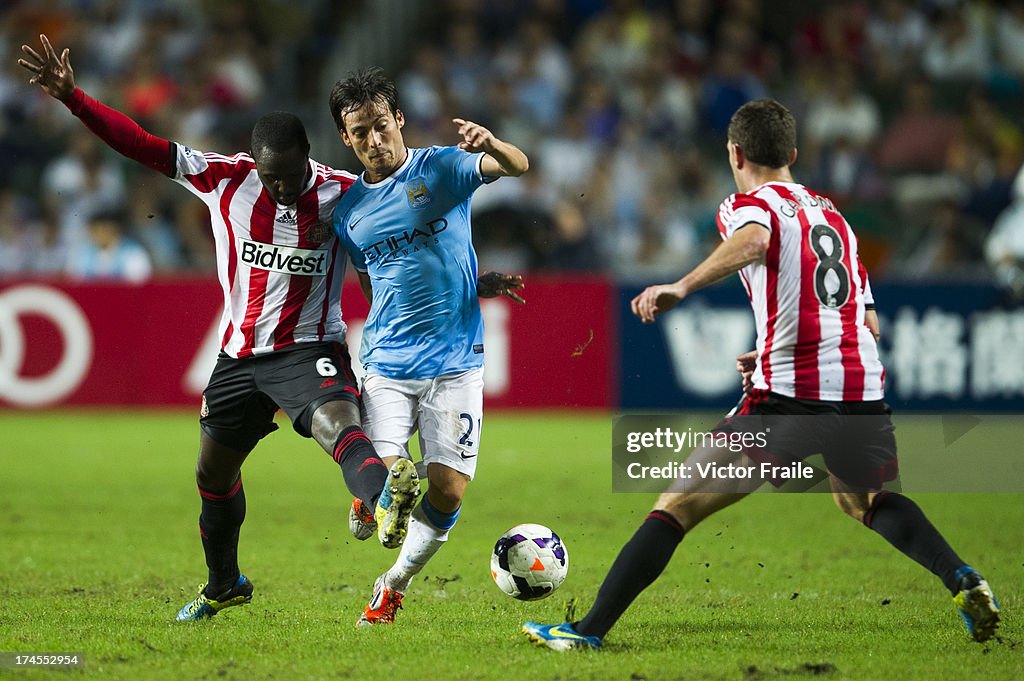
(686, 508)
(216, 481)
(446, 496)
(852, 505)
(215, 476)
(447, 487)
(330, 419)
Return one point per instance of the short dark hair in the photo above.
(765, 131)
(278, 131)
(366, 86)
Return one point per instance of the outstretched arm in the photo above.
(745, 246)
(501, 158)
(56, 78)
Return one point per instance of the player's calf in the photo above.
(362, 468)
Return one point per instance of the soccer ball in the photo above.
(529, 562)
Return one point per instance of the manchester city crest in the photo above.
(418, 193)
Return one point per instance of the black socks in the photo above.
(902, 523)
(219, 525)
(365, 474)
(641, 560)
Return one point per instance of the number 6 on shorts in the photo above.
(325, 367)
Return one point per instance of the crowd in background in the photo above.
(909, 114)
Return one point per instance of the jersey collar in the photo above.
(390, 178)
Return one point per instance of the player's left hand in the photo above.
(871, 320)
(475, 137)
(745, 365)
(50, 72)
(656, 299)
(494, 284)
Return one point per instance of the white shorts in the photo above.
(447, 411)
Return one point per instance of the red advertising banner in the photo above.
(155, 344)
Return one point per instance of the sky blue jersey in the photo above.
(411, 233)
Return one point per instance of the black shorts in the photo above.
(243, 395)
(855, 439)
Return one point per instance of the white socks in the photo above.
(422, 541)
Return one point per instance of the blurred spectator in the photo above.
(192, 225)
(842, 114)
(896, 32)
(985, 156)
(18, 232)
(837, 34)
(662, 105)
(958, 49)
(466, 66)
(79, 184)
(842, 125)
(950, 247)
(1009, 37)
(237, 81)
(148, 93)
(149, 226)
(1004, 249)
(692, 41)
(917, 140)
(109, 254)
(616, 41)
(740, 33)
(508, 121)
(513, 221)
(572, 152)
(667, 241)
(727, 87)
(193, 118)
(423, 86)
(541, 70)
(599, 108)
(113, 38)
(574, 247)
(506, 238)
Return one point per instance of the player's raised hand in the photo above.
(494, 284)
(656, 299)
(475, 137)
(50, 72)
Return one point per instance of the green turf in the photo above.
(98, 517)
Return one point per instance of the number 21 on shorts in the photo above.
(468, 435)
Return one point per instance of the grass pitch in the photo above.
(98, 515)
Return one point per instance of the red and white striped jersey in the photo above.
(280, 268)
(809, 296)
